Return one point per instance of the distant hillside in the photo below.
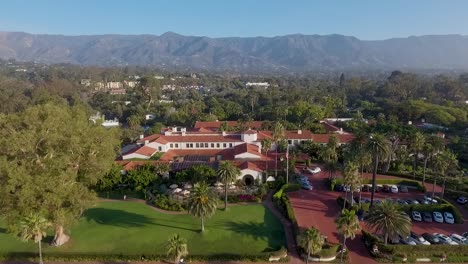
(291, 53)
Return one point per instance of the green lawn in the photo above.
(134, 228)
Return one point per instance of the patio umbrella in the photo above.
(270, 179)
(177, 190)
(173, 186)
(217, 184)
(186, 192)
(188, 186)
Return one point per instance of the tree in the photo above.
(227, 173)
(311, 241)
(33, 227)
(50, 157)
(352, 179)
(278, 136)
(266, 146)
(416, 145)
(442, 162)
(387, 218)
(176, 248)
(202, 173)
(202, 202)
(330, 154)
(347, 225)
(378, 146)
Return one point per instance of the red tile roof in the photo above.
(227, 154)
(144, 150)
(133, 164)
(329, 127)
(249, 148)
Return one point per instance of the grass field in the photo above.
(134, 228)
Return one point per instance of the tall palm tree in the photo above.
(352, 179)
(176, 248)
(311, 241)
(378, 146)
(266, 146)
(387, 219)
(442, 162)
(33, 227)
(202, 202)
(347, 225)
(428, 151)
(330, 154)
(416, 146)
(227, 173)
(278, 135)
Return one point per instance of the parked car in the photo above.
(408, 241)
(378, 188)
(437, 216)
(312, 170)
(403, 189)
(459, 239)
(462, 200)
(427, 217)
(416, 216)
(366, 188)
(445, 239)
(448, 217)
(431, 238)
(393, 189)
(465, 234)
(307, 186)
(430, 199)
(386, 188)
(410, 201)
(424, 201)
(346, 188)
(419, 239)
(403, 202)
(339, 187)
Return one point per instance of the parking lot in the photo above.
(318, 208)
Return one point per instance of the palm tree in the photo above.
(202, 202)
(352, 179)
(442, 162)
(266, 146)
(278, 135)
(330, 154)
(347, 225)
(176, 248)
(416, 146)
(387, 219)
(378, 146)
(227, 173)
(428, 152)
(34, 227)
(311, 241)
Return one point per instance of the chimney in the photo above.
(224, 133)
(183, 133)
(142, 136)
(146, 142)
(299, 132)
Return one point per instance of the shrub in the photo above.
(167, 203)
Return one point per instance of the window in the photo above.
(217, 145)
(197, 145)
(206, 145)
(171, 145)
(160, 148)
(177, 145)
(289, 141)
(230, 145)
(212, 145)
(224, 145)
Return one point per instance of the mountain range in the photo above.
(290, 53)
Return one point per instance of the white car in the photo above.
(429, 199)
(445, 239)
(419, 239)
(437, 216)
(448, 217)
(459, 239)
(416, 216)
(313, 170)
(394, 189)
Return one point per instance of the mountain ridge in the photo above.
(289, 53)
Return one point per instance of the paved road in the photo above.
(319, 208)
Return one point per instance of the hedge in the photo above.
(29, 256)
(288, 187)
(284, 205)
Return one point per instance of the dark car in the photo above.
(366, 188)
(427, 217)
(431, 238)
(360, 215)
(462, 200)
(339, 187)
(385, 188)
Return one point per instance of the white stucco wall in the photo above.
(246, 155)
(254, 173)
(134, 156)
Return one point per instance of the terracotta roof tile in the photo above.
(243, 148)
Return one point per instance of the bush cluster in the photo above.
(167, 203)
(243, 198)
(284, 205)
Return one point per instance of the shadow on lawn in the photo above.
(117, 218)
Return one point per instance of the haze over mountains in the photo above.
(290, 53)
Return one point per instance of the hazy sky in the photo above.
(365, 19)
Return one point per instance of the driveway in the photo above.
(319, 208)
